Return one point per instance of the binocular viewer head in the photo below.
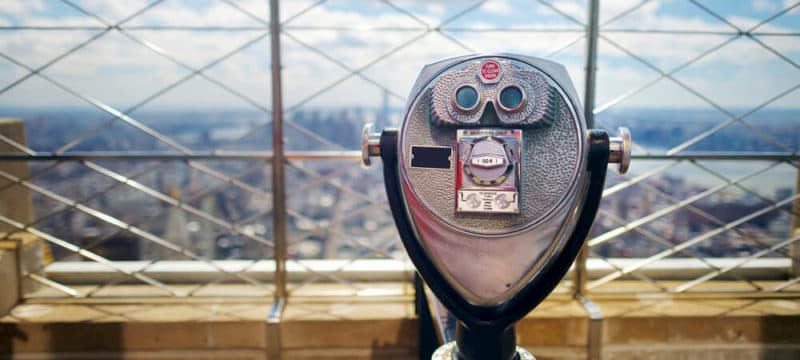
(494, 179)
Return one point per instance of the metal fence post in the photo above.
(594, 329)
(279, 214)
(794, 249)
(278, 187)
(592, 33)
(579, 278)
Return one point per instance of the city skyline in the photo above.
(329, 222)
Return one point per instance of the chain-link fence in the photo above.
(150, 128)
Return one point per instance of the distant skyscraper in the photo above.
(175, 231)
(382, 120)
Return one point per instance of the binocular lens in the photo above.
(466, 98)
(511, 98)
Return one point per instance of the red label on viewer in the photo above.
(490, 70)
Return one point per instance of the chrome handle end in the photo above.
(370, 145)
(620, 150)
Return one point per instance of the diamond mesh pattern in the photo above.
(207, 195)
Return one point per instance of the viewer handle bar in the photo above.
(370, 145)
(619, 150)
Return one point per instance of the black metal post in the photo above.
(479, 343)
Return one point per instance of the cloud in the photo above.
(793, 4)
(113, 11)
(764, 5)
(575, 9)
(122, 72)
(501, 7)
(20, 8)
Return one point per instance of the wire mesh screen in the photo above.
(347, 63)
(698, 77)
(137, 77)
(101, 86)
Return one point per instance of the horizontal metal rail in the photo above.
(330, 155)
(167, 156)
(390, 29)
(384, 270)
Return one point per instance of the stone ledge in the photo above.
(338, 327)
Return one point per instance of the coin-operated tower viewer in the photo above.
(494, 180)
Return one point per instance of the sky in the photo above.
(348, 53)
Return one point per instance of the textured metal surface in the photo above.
(542, 104)
(489, 257)
(552, 156)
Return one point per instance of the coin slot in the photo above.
(431, 157)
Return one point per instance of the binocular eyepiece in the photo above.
(494, 180)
